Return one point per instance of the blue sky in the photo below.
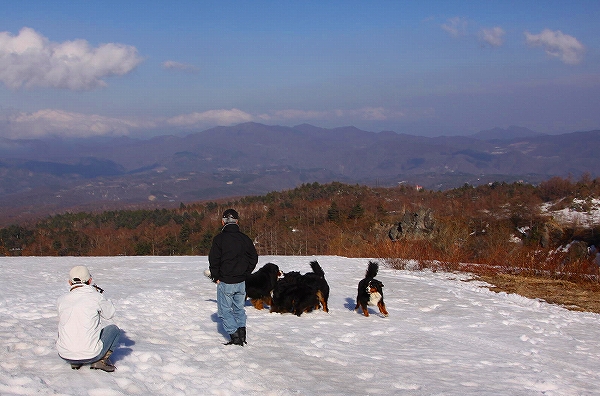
(429, 68)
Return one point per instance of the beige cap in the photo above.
(79, 273)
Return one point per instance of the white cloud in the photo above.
(373, 114)
(493, 36)
(293, 114)
(173, 65)
(53, 122)
(556, 43)
(219, 117)
(66, 124)
(363, 114)
(31, 60)
(456, 26)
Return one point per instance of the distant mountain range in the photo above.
(512, 132)
(40, 177)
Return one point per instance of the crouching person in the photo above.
(81, 337)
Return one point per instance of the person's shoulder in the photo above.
(88, 290)
(62, 297)
(231, 228)
(248, 239)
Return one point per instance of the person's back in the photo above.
(82, 339)
(235, 253)
(78, 326)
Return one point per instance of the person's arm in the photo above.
(107, 308)
(214, 260)
(252, 257)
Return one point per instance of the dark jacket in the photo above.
(232, 256)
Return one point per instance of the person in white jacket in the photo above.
(82, 338)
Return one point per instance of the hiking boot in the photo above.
(242, 334)
(75, 366)
(104, 364)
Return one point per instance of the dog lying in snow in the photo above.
(296, 293)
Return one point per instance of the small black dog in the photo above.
(370, 291)
(260, 285)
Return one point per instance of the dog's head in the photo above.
(374, 286)
(270, 268)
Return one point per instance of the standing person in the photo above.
(81, 337)
(231, 259)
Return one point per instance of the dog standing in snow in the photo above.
(370, 291)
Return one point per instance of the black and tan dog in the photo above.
(288, 292)
(370, 291)
(296, 293)
(260, 285)
(318, 283)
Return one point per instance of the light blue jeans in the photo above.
(110, 338)
(231, 299)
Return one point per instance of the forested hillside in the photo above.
(495, 224)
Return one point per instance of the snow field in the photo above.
(446, 334)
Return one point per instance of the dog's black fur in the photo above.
(318, 282)
(260, 285)
(287, 292)
(298, 294)
(370, 291)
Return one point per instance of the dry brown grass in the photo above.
(574, 296)
(544, 274)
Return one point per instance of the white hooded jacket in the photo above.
(79, 322)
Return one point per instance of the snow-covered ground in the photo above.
(445, 336)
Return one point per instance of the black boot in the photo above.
(242, 333)
(235, 339)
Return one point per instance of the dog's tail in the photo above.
(317, 269)
(372, 270)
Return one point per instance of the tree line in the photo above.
(473, 224)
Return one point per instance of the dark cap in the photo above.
(229, 215)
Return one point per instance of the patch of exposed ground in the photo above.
(570, 295)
